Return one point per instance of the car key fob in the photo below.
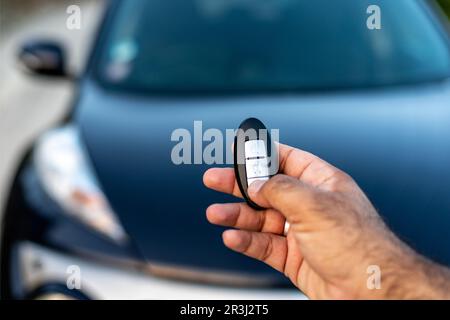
(255, 156)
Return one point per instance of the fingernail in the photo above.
(254, 187)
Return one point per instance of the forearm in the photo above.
(405, 274)
(433, 281)
(413, 276)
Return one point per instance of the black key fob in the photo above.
(255, 156)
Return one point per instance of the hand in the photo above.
(335, 233)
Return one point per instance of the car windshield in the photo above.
(254, 45)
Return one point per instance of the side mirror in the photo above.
(43, 57)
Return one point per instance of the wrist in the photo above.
(397, 270)
(407, 275)
(433, 280)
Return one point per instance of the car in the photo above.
(99, 210)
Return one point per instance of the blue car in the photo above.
(100, 198)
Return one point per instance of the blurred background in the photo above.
(19, 21)
(445, 4)
(30, 105)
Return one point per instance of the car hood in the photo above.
(394, 142)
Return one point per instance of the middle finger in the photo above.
(241, 216)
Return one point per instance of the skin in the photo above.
(335, 233)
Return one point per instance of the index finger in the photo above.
(222, 180)
(292, 162)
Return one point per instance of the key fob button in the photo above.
(249, 181)
(256, 168)
(255, 148)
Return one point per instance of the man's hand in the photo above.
(335, 233)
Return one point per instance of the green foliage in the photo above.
(445, 4)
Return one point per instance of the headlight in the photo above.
(66, 175)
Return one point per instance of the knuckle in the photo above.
(267, 252)
(261, 221)
(234, 218)
(280, 183)
(341, 176)
(338, 181)
(247, 244)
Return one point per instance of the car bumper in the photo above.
(38, 266)
(41, 244)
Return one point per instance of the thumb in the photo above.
(286, 194)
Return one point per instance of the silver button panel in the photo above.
(256, 164)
